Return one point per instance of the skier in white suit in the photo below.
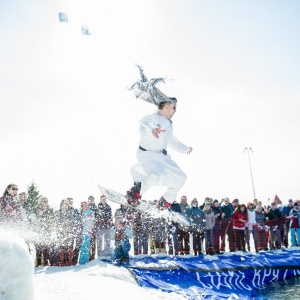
(155, 166)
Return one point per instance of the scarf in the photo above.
(146, 89)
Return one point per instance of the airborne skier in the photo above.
(155, 166)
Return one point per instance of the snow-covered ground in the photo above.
(95, 280)
(19, 280)
(16, 269)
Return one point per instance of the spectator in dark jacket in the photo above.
(217, 228)
(226, 225)
(197, 218)
(103, 225)
(274, 218)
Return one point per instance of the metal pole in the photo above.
(248, 150)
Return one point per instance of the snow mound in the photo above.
(16, 269)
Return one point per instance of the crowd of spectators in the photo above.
(59, 236)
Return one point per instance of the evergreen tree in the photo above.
(33, 195)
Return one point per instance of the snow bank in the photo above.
(16, 269)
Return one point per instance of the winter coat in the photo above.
(286, 210)
(184, 209)
(159, 230)
(209, 219)
(77, 222)
(43, 222)
(142, 223)
(9, 210)
(294, 221)
(228, 210)
(237, 217)
(275, 218)
(64, 228)
(217, 210)
(126, 213)
(260, 218)
(175, 206)
(120, 234)
(103, 216)
(197, 218)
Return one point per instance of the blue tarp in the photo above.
(228, 276)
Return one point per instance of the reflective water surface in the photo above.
(287, 289)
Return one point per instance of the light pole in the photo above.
(248, 150)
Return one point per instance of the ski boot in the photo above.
(133, 195)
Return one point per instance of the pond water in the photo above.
(286, 289)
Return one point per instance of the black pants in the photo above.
(239, 239)
(184, 241)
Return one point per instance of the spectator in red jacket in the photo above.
(240, 218)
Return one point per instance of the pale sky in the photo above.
(68, 122)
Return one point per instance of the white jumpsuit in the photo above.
(154, 168)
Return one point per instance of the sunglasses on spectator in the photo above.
(15, 189)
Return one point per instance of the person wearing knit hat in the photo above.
(155, 166)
